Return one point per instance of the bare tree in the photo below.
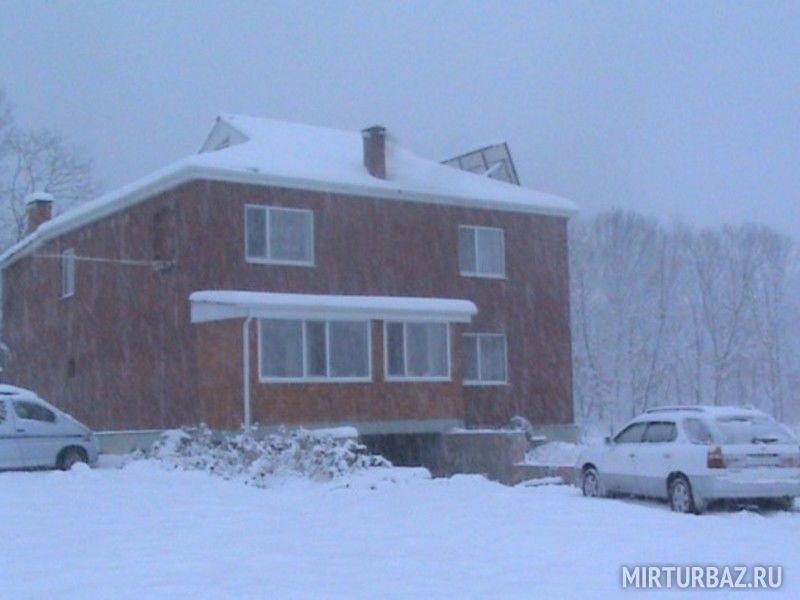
(675, 316)
(36, 160)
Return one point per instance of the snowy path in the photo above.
(145, 533)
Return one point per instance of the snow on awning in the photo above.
(216, 305)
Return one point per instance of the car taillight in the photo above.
(791, 461)
(715, 460)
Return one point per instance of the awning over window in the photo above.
(216, 305)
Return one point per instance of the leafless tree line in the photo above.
(668, 314)
(34, 161)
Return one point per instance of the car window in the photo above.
(632, 434)
(2, 411)
(747, 429)
(698, 432)
(660, 432)
(33, 412)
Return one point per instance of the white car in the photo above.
(694, 455)
(36, 435)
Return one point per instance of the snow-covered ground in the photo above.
(145, 532)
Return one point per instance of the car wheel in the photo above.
(70, 457)
(591, 483)
(680, 496)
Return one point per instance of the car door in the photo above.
(656, 458)
(9, 444)
(40, 436)
(619, 473)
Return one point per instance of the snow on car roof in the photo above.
(300, 156)
(12, 390)
(696, 410)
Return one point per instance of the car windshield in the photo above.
(745, 429)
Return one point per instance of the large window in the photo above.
(279, 235)
(294, 350)
(481, 251)
(417, 351)
(485, 358)
(67, 273)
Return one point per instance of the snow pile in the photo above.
(313, 455)
(561, 454)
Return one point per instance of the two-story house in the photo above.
(289, 274)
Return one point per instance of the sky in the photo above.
(685, 110)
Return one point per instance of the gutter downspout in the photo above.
(246, 371)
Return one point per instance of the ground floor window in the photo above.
(419, 351)
(311, 350)
(485, 359)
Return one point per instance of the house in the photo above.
(289, 274)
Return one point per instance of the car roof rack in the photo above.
(674, 408)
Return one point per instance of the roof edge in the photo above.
(185, 171)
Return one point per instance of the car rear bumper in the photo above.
(92, 453)
(748, 483)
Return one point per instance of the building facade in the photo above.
(344, 282)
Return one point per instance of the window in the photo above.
(697, 432)
(294, 350)
(747, 429)
(417, 351)
(33, 412)
(3, 411)
(279, 235)
(658, 433)
(68, 273)
(485, 358)
(631, 434)
(481, 251)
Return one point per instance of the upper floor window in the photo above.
(485, 358)
(481, 251)
(295, 350)
(417, 351)
(279, 235)
(68, 273)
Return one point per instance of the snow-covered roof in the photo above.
(277, 153)
(215, 305)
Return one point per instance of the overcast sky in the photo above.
(674, 109)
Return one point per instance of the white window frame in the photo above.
(68, 273)
(276, 261)
(477, 273)
(400, 378)
(480, 381)
(316, 378)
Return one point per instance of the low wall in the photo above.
(485, 452)
(124, 442)
(558, 433)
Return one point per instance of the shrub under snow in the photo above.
(297, 452)
(554, 454)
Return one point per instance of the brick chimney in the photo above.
(38, 208)
(375, 150)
